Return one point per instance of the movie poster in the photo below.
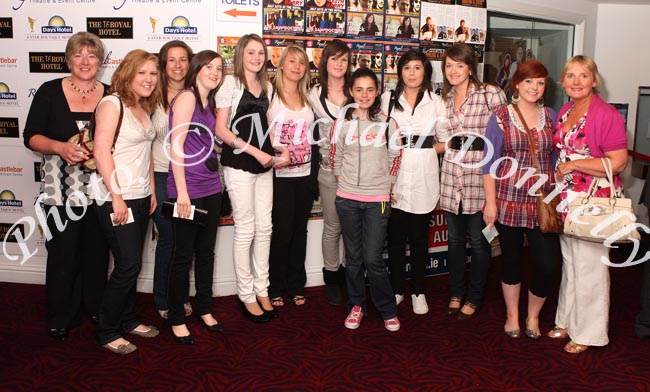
(314, 48)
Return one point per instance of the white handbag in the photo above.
(598, 219)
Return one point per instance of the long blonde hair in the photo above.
(304, 81)
(240, 73)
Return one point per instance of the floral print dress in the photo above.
(572, 145)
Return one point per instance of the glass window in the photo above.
(513, 39)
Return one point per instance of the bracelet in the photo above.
(232, 144)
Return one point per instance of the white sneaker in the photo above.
(419, 304)
(399, 298)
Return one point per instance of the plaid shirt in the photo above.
(516, 207)
(462, 176)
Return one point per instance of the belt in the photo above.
(415, 141)
(459, 143)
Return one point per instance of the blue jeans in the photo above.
(164, 246)
(458, 227)
(117, 313)
(364, 232)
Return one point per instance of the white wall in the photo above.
(623, 58)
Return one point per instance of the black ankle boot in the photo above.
(332, 287)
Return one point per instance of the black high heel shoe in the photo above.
(259, 319)
(271, 314)
(218, 327)
(189, 340)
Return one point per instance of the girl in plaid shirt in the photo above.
(469, 104)
(512, 206)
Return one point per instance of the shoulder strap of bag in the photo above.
(609, 174)
(119, 122)
(323, 96)
(391, 103)
(531, 143)
(117, 128)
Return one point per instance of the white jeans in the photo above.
(583, 302)
(251, 196)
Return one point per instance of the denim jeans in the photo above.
(458, 227)
(117, 313)
(364, 232)
(164, 246)
(194, 242)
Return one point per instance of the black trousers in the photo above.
(292, 202)
(77, 265)
(193, 241)
(544, 250)
(415, 227)
(118, 311)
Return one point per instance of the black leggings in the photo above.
(544, 250)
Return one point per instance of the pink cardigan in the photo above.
(605, 127)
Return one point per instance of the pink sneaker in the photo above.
(354, 318)
(392, 324)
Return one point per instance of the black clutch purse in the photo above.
(200, 215)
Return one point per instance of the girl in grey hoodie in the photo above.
(365, 156)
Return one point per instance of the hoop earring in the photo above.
(515, 97)
(540, 102)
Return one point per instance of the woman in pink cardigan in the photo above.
(587, 129)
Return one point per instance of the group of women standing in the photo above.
(375, 167)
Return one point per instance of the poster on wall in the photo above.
(284, 17)
(437, 18)
(365, 25)
(403, 7)
(471, 21)
(401, 28)
(226, 48)
(367, 55)
(325, 23)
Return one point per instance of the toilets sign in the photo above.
(239, 10)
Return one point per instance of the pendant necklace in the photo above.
(82, 92)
